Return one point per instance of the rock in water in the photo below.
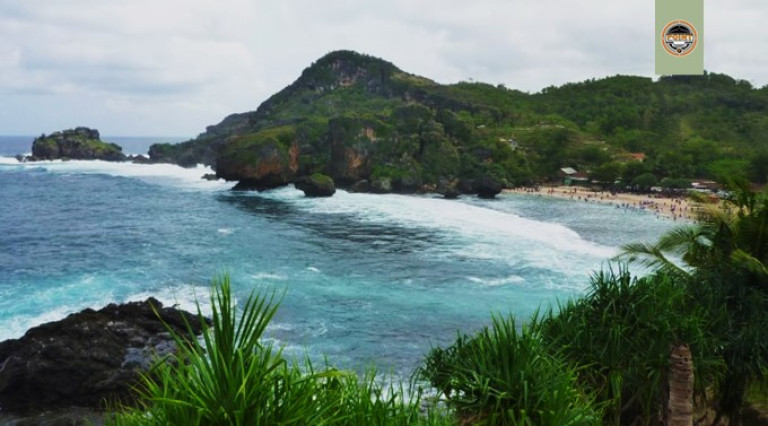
(80, 143)
(317, 185)
(487, 187)
(87, 358)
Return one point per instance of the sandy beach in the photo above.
(678, 208)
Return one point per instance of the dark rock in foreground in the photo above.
(317, 185)
(81, 143)
(87, 358)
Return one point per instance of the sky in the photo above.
(173, 67)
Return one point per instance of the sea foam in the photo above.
(477, 232)
(160, 174)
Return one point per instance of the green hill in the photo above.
(354, 117)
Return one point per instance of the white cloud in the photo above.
(172, 67)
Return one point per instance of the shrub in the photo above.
(503, 376)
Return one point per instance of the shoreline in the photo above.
(675, 208)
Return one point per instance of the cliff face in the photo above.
(80, 143)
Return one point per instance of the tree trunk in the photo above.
(680, 403)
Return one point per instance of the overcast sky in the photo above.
(172, 67)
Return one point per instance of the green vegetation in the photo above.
(616, 128)
(724, 269)
(234, 378)
(604, 358)
(503, 376)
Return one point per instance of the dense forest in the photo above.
(353, 117)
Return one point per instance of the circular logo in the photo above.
(679, 37)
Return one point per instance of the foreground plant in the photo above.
(232, 377)
(503, 376)
(620, 336)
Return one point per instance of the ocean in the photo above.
(363, 278)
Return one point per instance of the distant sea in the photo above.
(366, 278)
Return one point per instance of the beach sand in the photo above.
(678, 208)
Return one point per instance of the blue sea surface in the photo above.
(363, 278)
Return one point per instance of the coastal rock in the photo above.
(361, 186)
(317, 185)
(381, 185)
(139, 159)
(448, 189)
(80, 143)
(487, 187)
(87, 358)
(260, 161)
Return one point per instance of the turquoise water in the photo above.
(366, 277)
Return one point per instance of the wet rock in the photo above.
(361, 186)
(317, 185)
(87, 358)
(381, 185)
(487, 187)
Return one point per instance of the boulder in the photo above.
(316, 185)
(139, 159)
(260, 161)
(487, 187)
(448, 188)
(361, 186)
(80, 143)
(88, 358)
(381, 185)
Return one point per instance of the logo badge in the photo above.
(679, 37)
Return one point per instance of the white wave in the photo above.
(496, 282)
(493, 233)
(10, 161)
(16, 326)
(58, 302)
(186, 297)
(162, 174)
(225, 231)
(266, 276)
(313, 269)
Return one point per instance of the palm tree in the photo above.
(722, 260)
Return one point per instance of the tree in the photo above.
(607, 173)
(645, 181)
(724, 260)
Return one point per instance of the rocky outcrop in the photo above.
(317, 185)
(87, 358)
(448, 188)
(361, 186)
(381, 185)
(487, 187)
(261, 160)
(80, 143)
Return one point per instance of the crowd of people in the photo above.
(673, 207)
